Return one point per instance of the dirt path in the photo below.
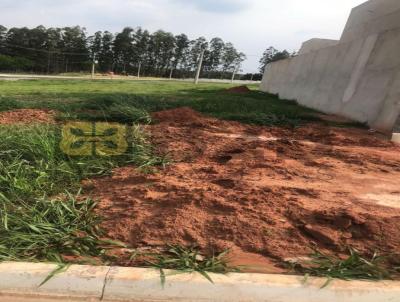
(266, 193)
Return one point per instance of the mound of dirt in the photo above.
(238, 89)
(272, 192)
(27, 116)
(180, 116)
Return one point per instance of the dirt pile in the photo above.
(27, 116)
(238, 89)
(273, 192)
(183, 116)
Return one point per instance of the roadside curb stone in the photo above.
(19, 282)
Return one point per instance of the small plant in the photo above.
(31, 164)
(354, 267)
(61, 268)
(49, 229)
(188, 260)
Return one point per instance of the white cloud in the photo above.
(252, 25)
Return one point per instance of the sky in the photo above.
(251, 25)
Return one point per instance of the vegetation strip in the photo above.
(40, 218)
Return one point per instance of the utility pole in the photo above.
(93, 66)
(196, 80)
(234, 73)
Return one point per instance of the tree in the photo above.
(68, 49)
(182, 44)
(164, 48)
(197, 46)
(3, 33)
(229, 57)
(74, 51)
(123, 47)
(240, 58)
(271, 54)
(95, 44)
(213, 57)
(53, 45)
(106, 54)
(142, 42)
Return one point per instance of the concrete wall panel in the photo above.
(358, 78)
(371, 17)
(316, 44)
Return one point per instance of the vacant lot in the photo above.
(207, 169)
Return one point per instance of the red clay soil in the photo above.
(27, 116)
(238, 89)
(267, 193)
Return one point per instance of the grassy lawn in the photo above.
(126, 101)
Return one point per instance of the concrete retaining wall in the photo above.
(372, 17)
(316, 44)
(358, 78)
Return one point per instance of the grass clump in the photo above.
(9, 104)
(353, 267)
(35, 225)
(32, 165)
(189, 260)
(48, 229)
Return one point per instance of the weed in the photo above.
(188, 260)
(31, 164)
(48, 229)
(61, 268)
(36, 226)
(354, 267)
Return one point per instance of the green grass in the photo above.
(48, 229)
(38, 220)
(31, 164)
(130, 101)
(189, 260)
(353, 267)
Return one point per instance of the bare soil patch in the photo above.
(27, 116)
(267, 193)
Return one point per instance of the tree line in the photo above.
(271, 54)
(131, 51)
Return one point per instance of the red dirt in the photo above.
(268, 193)
(27, 116)
(238, 89)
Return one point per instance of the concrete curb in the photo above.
(20, 282)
